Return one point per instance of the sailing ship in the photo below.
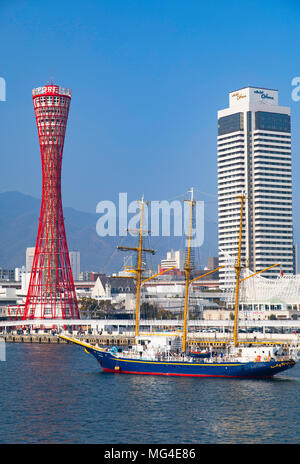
(168, 354)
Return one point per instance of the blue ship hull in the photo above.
(124, 365)
(111, 363)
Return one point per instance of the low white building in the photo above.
(174, 259)
(19, 271)
(101, 291)
(260, 297)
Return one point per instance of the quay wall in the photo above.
(91, 339)
(204, 340)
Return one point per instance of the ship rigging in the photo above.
(169, 355)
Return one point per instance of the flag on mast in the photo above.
(281, 271)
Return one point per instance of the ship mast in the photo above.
(238, 268)
(187, 270)
(139, 271)
(139, 267)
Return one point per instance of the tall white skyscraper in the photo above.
(75, 263)
(29, 258)
(254, 156)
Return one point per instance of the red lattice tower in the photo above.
(51, 292)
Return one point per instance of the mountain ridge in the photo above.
(19, 216)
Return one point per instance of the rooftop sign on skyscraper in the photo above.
(253, 95)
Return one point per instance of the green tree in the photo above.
(95, 309)
(153, 311)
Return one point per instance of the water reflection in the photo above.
(57, 394)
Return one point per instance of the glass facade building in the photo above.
(254, 156)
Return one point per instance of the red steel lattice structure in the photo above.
(51, 292)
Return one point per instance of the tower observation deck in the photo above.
(51, 292)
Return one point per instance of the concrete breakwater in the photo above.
(203, 341)
(48, 338)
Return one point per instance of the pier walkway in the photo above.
(121, 332)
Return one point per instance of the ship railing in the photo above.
(148, 355)
(158, 356)
(235, 358)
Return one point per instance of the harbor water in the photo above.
(58, 394)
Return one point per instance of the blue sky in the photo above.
(147, 78)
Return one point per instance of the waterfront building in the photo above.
(174, 259)
(101, 291)
(212, 262)
(75, 263)
(74, 257)
(7, 274)
(254, 156)
(19, 271)
(29, 258)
